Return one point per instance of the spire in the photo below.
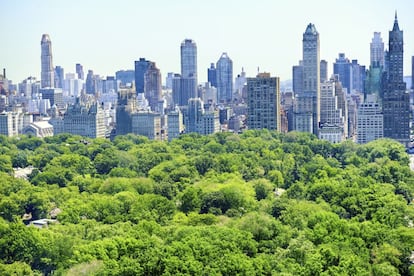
(396, 27)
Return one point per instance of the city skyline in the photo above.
(106, 38)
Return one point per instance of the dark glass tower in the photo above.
(141, 67)
(212, 75)
(396, 103)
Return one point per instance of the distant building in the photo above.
(396, 102)
(153, 86)
(91, 85)
(224, 79)
(59, 77)
(169, 80)
(39, 129)
(141, 67)
(200, 121)
(240, 93)
(332, 119)
(188, 84)
(324, 70)
(306, 110)
(13, 122)
(175, 125)
(212, 75)
(110, 84)
(79, 71)
(88, 121)
(297, 78)
(125, 77)
(377, 51)
(189, 59)
(54, 95)
(358, 76)
(342, 68)
(47, 70)
(147, 123)
(126, 105)
(370, 122)
(263, 102)
(412, 72)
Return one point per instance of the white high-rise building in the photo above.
(307, 108)
(370, 122)
(332, 117)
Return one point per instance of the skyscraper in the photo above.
(141, 67)
(263, 102)
(297, 78)
(212, 75)
(307, 108)
(224, 79)
(152, 86)
(47, 70)
(370, 122)
(377, 50)
(91, 83)
(189, 59)
(324, 70)
(377, 66)
(188, 86)
(342, 68)
(332, 120)
(59, 76)
(396, 102)
(412, 72)
(79, 71)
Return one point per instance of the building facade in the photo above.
(370, 122)
(47, 69)
(146, 124)
(263, 102)
(396, 102)
(87, 121)
(175, 125)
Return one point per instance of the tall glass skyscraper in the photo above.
(396, 102)
(224, 79)
(47, 69)
(188, 59)
(307, 108)
(188, 86)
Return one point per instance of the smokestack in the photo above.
(4, 72)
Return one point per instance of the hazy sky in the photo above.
(107, 36)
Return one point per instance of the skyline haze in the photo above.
(265, 36)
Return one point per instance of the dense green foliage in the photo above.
(259, 203)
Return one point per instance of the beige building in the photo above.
(147, 124)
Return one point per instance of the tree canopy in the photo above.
(258, 203)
